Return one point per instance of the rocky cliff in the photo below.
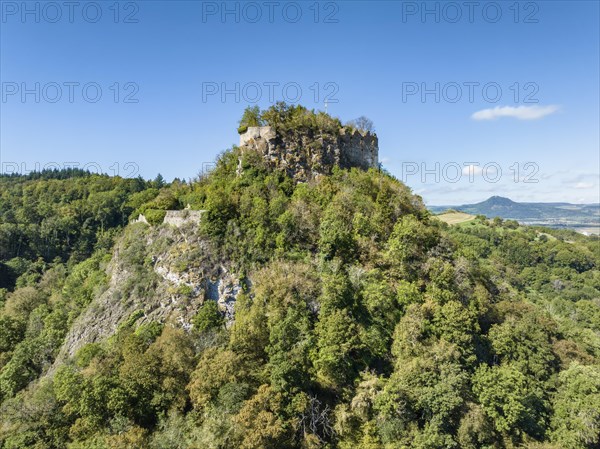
(306, 153)
(161, 274)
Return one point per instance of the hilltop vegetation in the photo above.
(363, 322)
(284, 117)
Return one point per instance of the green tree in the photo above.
(576, 417)
(251, 117)
(208, 317)
(261, 422)
(338, 348)
(509, 399)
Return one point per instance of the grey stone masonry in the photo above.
(176, 218)
(180, 217)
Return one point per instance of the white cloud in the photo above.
(584, 185)
(472, 170)
(519, 112)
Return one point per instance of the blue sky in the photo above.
(511, 89)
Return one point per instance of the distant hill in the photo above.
(558, 215)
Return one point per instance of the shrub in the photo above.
(251, 117)
(155, 216)
(208, 317)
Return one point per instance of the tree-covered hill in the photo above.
(361, 321)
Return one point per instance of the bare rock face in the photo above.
(224, 289)
(358, 150)
(256, 133)
(157, 274)
(305, 154)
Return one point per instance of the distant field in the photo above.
(453, 218)
(588, 230)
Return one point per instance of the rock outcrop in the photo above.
(157, 274)
(307, 153)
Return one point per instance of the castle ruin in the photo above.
(307, 154)
(179, 218)
(303, 154)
